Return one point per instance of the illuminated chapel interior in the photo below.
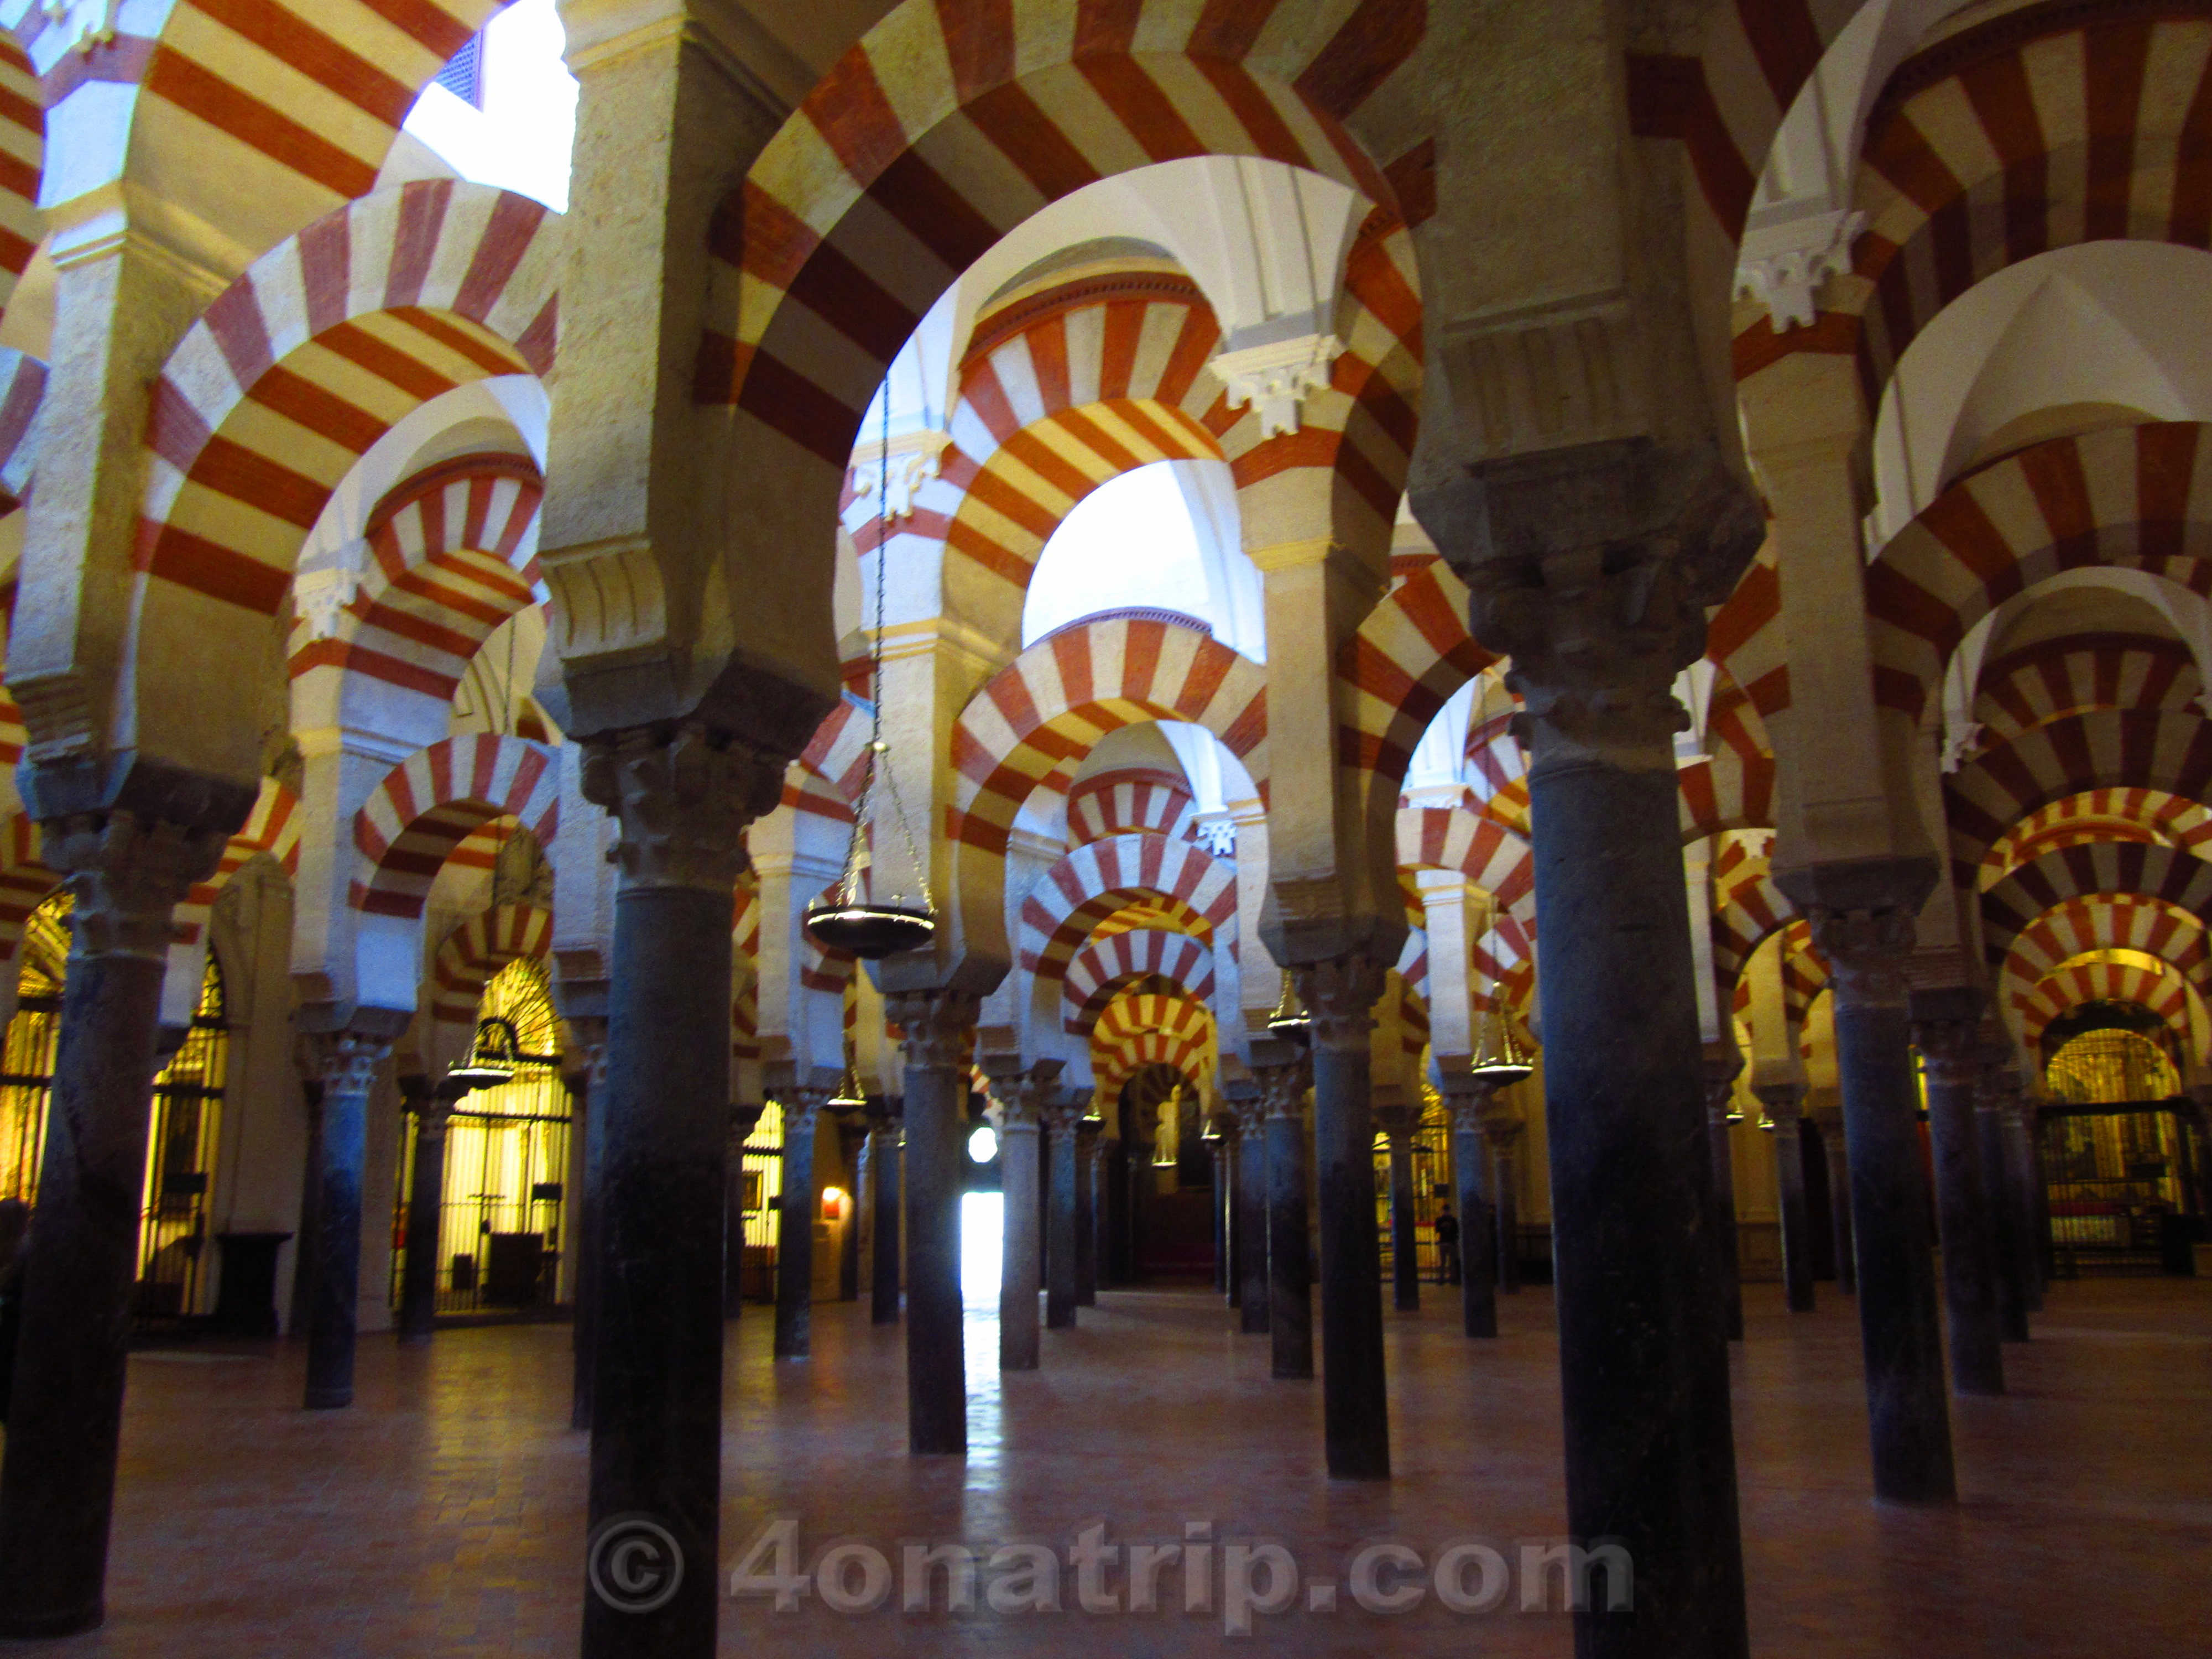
(1296, 770)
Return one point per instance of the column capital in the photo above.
(1503, 1128)
(1947, 1030)
(802, 1105)
(1283, 1088)
(1339, 994)
(940, 1026)
(683, 795)
(345, 1061)
(1724, 1065)
(1784, 1101)
(1397, 1119)
(1862, 913)
(1039, 1094)
(127, 873)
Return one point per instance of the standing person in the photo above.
(1447, 1230)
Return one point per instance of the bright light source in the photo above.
(983, 1144)
(982, 1242)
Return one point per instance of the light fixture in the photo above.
(851, 918)
(1290, 1018)
(490, 1061)
(983, 1144)
(848, 1097)
(1766, 1120)
(1508, 1065)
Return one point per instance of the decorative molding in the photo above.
(940, 1026)
(916, 457)
(1784, 265)
(82, 24)
(1275, 377)
(1340, 994)
(128, 874)
(321, 596)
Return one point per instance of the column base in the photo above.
(328, 1400)
(74, 1622)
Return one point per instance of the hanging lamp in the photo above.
(490, 1061)
(851, 918)
(848, 1097)
(1290, 1018)
(1507, 1065)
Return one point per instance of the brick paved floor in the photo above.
(442, 1515)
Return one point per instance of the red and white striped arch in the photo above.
(1153, 1029)
(1490, 856)
(1410, 655)
(272, 828)
(2164, 875)
(744, 1006)
(2102, 921)
(430, 801)
(2136, 497)
(449, 565)
(1054, 702)
(1751, 910)
(2076, 673)
(1804, 976)
(2108, 749)
(1095, 881)
(1742, 639)
(476, 950)
(23, 151)
(299, 367)
(2157, 987)
(1730, 789)
(2044, 128)
(1129, 801)
(2150, 816)
(1103, 966)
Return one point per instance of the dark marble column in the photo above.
(1503, 1128)
(1862, 917)
(794, 1222)
(347, 1061)
(1063, 1251)
(1140, 1184)
(426, 1209)
(852, 1144)
(1254, 1295)
(1089, 1212)
(1339, 994)
(1597, 632)
(2020, 1133)
(940, 1028)
(586, 1088)
(1020, 1176)
(65, 1413)
(1943, 1029)
(682, 797)
(1467, 1101)
(1724, 1064)
(1829, 1119)
(1992, 1113)
(744, 1118)
(1785, 1110)
(1290, 1267)
(1397, 1121)
(883, 1184)
(1219, 1143)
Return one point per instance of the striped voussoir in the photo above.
(2155, 986)
(1104, 966)
(822, 969)
(944, 128)
(1129, 801)
(2107, 748)
(1729, 790)
(24, 882)
(2149, 816)
(1490, 856)
(1150, 1028)
(2079, 673)
(426, 803)
(22, 388)
(1496, 761)
(833, 763)
(451, 558)
(22, 152)
(271, 829)
(2099, 922)
(2050, 127)
(1504, 961)
(286, 101)
(2161, 875)
(1751, 909)
(478, 948)
(1094, 881)
(318, 350)
(1054, 702)
(1743, 637)
(1411, 654)
(1413, 967)
(2139, 497)
(744, 969)
(1804, 975)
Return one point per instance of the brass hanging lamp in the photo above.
(850, 1097)
(851, 918)
(1291, 1018)
(1507, 1064)
(490, 1060)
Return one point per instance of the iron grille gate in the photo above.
(1432, 1191)
(173, 1232)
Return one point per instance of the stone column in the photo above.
(1724, 1064)
(347, 1061)
(1138, 1185)
(1290, 1268)
(1784, 1103)
(940, 1028)
(794, 1223)
(1944, 1030)
(426, 1208)
(1088, 1211)
(1503, 1128)
(1828, 1119)
(744, 1118)
(1862, 917)
(588, 1087)
(1063, 1252)
(682, 796)
(1339, 994)
(2021, 1135)
(1218, 1142)
(1397, 1121)
(1255, 1295)
(65, 1415)
(1992, 1112)
(1020, 1173)
(884, 1208)
(1597, 631)
(1469, 1100)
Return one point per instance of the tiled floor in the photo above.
(442, 1515)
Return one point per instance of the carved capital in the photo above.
(1397, 1120)
(1039, 1097)
(1866, 951)
(1784, 1101)
(1469, 1100)
(940, 1026)
(1283, 1088)
(682, 797)
(345, 1061)
(1339, 994)
(1502, 1129)
(802, 1108)
(1950, 1051)
(433, 1115)
(127, 874)
(1724, 1065)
